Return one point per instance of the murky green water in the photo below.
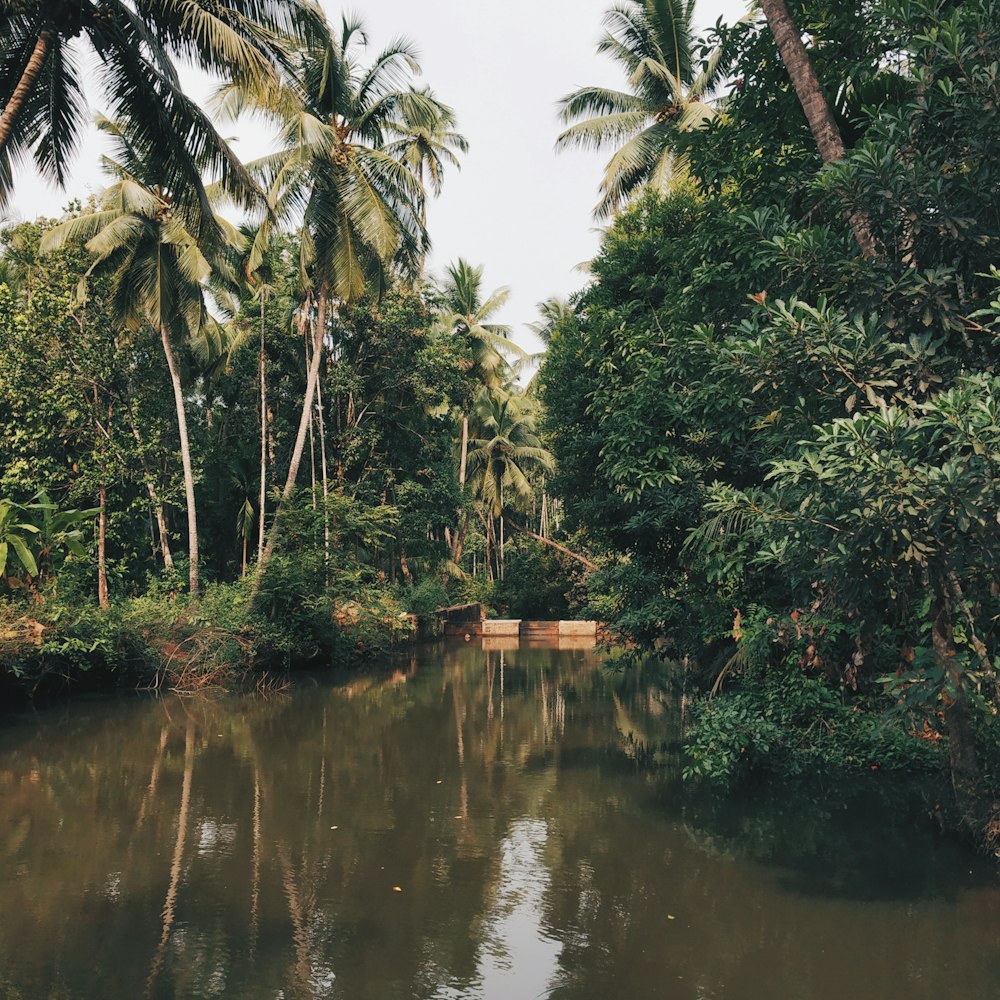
(474, 824)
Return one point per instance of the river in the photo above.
(463, 822)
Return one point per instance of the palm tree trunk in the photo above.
(465, 450)
(460, 528)
(192, 517)
(502, 539)
(300, 439)
(31, 71)
(487, 556)
(102, 517)
(458, 539)
(161, 525)
(102, 538)
(322, 458)
(817, 111)
(312, 461)
(263, 437)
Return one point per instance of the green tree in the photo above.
(467, 315)
(361, 208)
(427, 149)
(504, 450)
(42, 95)
(160, 275)
(670, 92)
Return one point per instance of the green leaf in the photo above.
(24, 554)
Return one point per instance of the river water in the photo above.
(472, 823)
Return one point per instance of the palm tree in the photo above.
(259, 285)
(818, 113)
(360, 207)
(160, 275)
(42, 96)
(668, 93)
(467, 315)
(505, 449)
(428, 148)
(555, 314)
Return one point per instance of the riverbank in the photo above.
(164, 639)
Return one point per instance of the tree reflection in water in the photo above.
(467, 823)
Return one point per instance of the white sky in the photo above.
(515, 206)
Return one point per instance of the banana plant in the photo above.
(15, 533)
(59, 531)
(38, 533)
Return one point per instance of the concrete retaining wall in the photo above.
(578, 629)
(502, 626)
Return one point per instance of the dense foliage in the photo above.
(788, 448)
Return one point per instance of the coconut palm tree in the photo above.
(815, 107)
(259, 285)
(467, 315)
(504, 450)
(427, 149)
(669, 92)
(555, 314)
(160, 274)
(360, 208)
(41, 89)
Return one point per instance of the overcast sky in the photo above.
(515, 206)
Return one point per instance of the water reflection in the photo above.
(498, 823)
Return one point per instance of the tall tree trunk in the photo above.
(31, 71)
(192, 516)
(263, 437)
(502, 536)
(102, 501)
(463, 461)
(161, 525)
(966, 775)
(306, 329)
(487, 556)
(817, 111)
(102, 557)
(312, 462)
(458, 538)
(322, 458)
(300, 440)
